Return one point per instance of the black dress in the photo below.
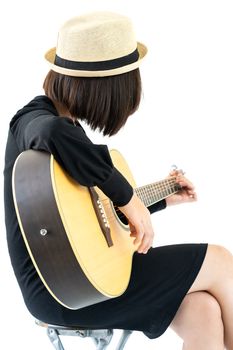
(159, 280)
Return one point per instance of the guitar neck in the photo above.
(153, 193)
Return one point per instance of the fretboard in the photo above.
(156, 191)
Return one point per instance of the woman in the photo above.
(94, 77)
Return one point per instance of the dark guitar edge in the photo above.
(54, 243)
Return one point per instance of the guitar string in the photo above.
(171, 180)
(161, 187)
(148, 194)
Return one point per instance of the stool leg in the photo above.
(102, 338)
(124, 338)
(102, 344)
(55, 339)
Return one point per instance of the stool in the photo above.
(101, 337)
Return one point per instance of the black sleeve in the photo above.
(89, 164)
(157, 206)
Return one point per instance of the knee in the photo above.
(221, 255)
(221, 250)
(199, 311)
(204, 305)
(199, 321)
(207, 308)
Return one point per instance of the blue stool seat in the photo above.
(101, 337)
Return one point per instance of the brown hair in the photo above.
(104, 103)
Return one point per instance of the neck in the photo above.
(156, 191)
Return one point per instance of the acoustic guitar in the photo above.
(79, 242)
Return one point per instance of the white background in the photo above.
(184, 118)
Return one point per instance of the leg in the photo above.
(216, 277)
(198, 322)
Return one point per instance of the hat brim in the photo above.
(50, 58)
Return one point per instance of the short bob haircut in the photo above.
(104, 103)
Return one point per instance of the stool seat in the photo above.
(101, 337)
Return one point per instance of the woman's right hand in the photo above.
(140, 223)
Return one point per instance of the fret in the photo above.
(151, 192)
(146, 197)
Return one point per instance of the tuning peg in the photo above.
(175, 168)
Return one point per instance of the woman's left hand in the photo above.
(186, 194)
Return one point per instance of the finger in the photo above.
(187, 181)
(183, 182)
(190, 195)
(147, 239)
(193, 196)
(138, 237)
(145, 245)
(190, 191)
(133, 232)
(138, 233)
(131, 227)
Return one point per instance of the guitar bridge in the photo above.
(101, 216)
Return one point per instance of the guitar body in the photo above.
(63, 235)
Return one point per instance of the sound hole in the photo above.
(121, 216)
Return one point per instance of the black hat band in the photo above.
(98, 65)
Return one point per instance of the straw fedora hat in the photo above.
(96, 45)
